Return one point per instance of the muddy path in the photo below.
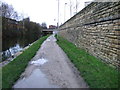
(50, 68)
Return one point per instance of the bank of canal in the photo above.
(11, 46)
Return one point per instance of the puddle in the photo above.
(39, 61)
(36, 80)
(48, 39)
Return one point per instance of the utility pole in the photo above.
(70, 9)
(76, 6)
(58, 14)
(65, 11)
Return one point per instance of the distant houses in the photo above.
(52, 27)
(9, 23)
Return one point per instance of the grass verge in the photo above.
(96, 73)
(12, 71)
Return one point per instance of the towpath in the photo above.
(50, 68)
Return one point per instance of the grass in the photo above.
(96, 73)
(12, 71)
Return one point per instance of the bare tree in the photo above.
(8, 11)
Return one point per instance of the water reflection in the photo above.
(11, 51)
(12, 46)
(37, 79)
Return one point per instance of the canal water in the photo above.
(14, 45)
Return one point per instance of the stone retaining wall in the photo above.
(96, 29)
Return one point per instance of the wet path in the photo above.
(50, 68)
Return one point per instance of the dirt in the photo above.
(50, 68)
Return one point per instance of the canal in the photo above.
(11, 46)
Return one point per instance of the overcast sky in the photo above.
(46, 10)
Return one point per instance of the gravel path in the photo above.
(50, 68)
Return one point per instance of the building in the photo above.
(9, 23)
(52, 27)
